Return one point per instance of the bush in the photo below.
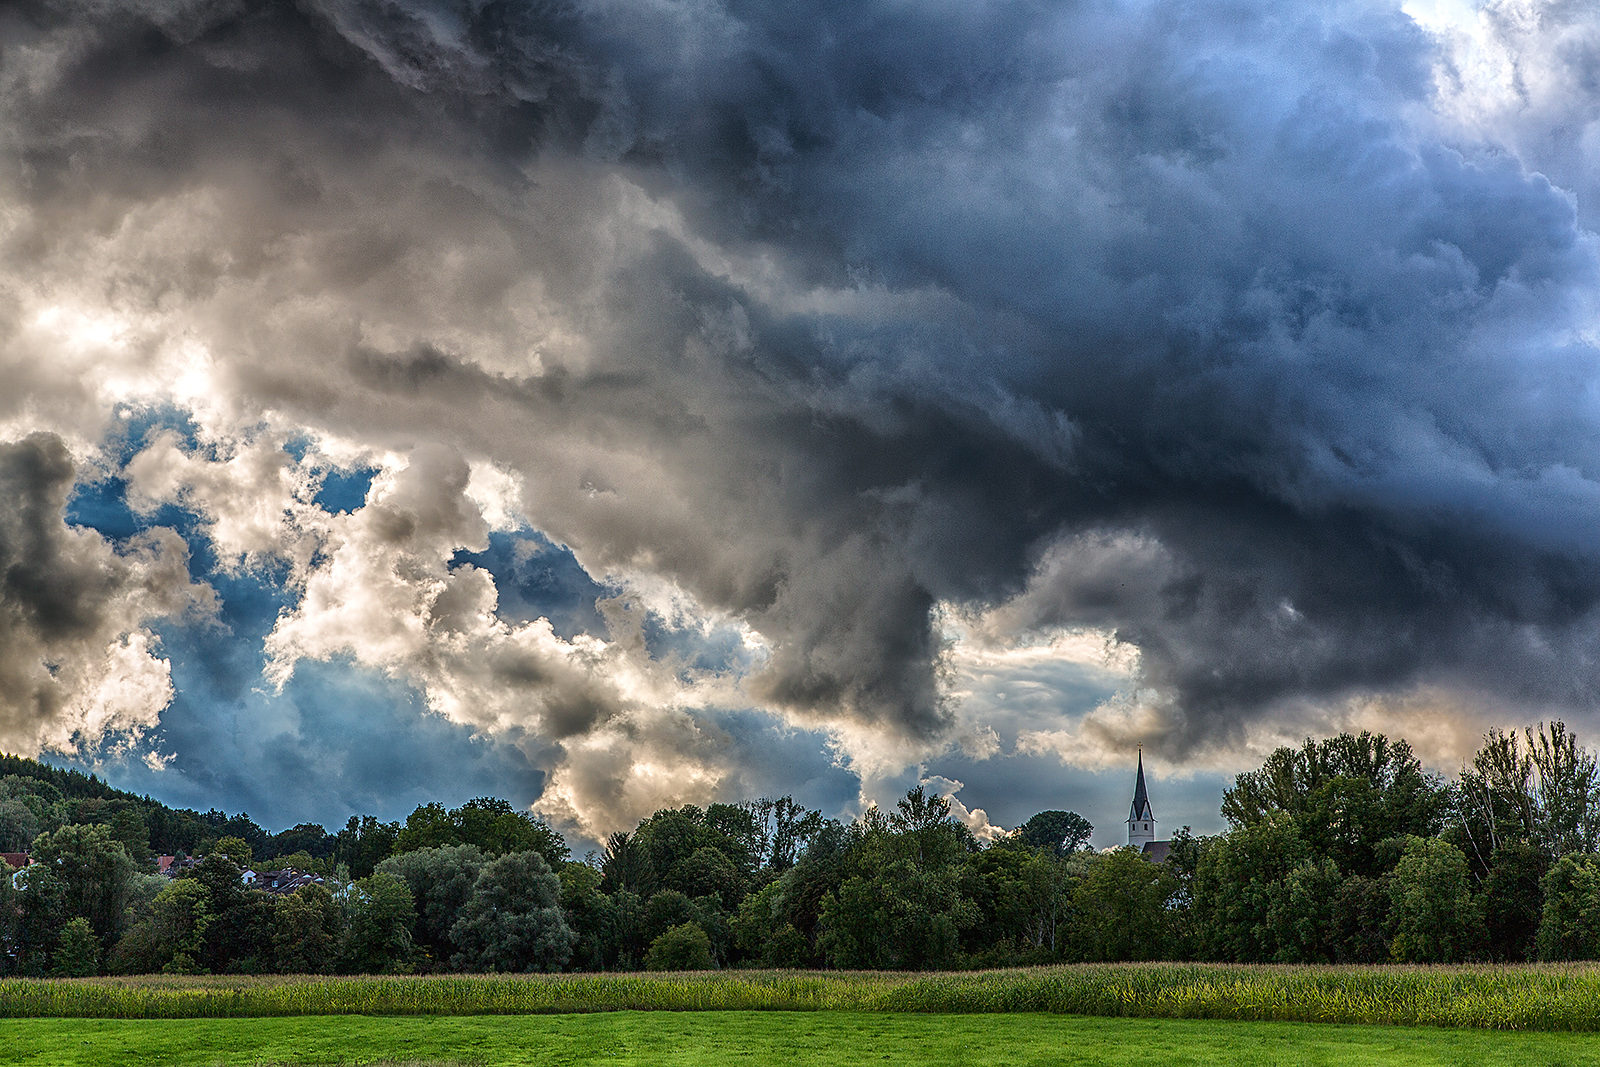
(685, 947)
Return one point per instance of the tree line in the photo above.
(1344, 850)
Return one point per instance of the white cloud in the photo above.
(974, 819)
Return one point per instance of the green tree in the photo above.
(1513, 901)
(592, 916)
(299, 861)
(1020, 894)
(441, 881)
(628, 942)
(1240, 888)
(787, 828)
(1568, 810)
(1347, 795)
(1493, 799)
(179, 918)
(1062, 832)
(1434, 913)
(684, 947)
(77, 952)
(128, 826)
(136, 952)
(307, 928)
(429, 826)
(1121, 909)
(169, 935)
(717, 922)
(488, 823)
(624, 865)
(307, 837)
(364, 843)
(666, 909)
(95, 871)
(1539, 788)
(381, 914)
(708, 872)
(238, 935)
(245, 829)
(8, 919)
(1360, 931)
(902, 918)
(496, 827)
(1569, 927)
(928, 835)
(28, 808)
(513, 920)
(787, 948)
(236, 849)
(1304, 914)
(761, 933)
(661, 853)
(42, 909)
(19, 825)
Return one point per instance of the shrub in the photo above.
(685, 947)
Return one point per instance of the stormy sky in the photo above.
(612, 404)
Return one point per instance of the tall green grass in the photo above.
(1509, 998)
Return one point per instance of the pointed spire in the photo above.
(1141, 800)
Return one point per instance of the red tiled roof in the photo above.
(16, 859)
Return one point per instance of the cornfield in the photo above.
(1551, 997)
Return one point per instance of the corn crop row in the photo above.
(1510, 998)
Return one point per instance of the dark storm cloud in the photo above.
(72, 605)
(882, 305)
(1286, 325)
(50, 590)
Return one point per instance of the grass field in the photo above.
(759, 1039)
(1551, 998)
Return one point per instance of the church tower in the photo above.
(1141, 820)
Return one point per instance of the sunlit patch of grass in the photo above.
(1545, 997)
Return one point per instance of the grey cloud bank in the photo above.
(1257, 339)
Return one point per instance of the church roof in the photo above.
(1141, 801)
(1157, 851)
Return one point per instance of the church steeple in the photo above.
(1141, 820)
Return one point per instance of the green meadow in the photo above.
(758, 1039)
